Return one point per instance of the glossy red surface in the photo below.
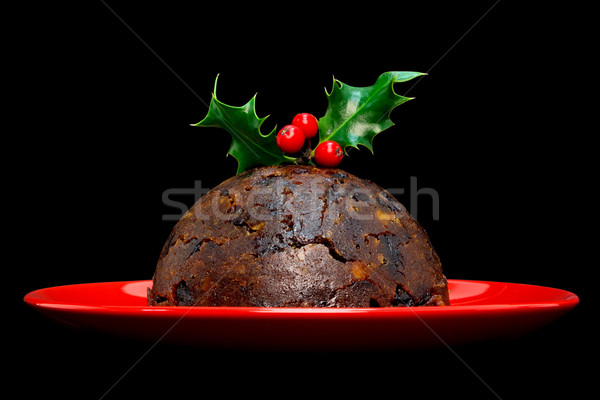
(479, 311)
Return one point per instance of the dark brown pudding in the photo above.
(298, 236)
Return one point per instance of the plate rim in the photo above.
(35, 299)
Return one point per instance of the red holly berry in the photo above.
(308, 123)
(329, 154)
(290, 139)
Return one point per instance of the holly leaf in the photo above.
(355, 115)
(248, 145)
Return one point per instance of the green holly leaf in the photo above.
(356, 114)
(249, 146)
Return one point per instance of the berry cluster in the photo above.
(291, 139)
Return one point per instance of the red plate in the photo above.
(479, 311)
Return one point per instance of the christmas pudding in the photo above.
(298, 236)
(294, 234)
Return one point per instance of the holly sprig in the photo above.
(354, 116)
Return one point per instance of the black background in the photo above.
(104, 102)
